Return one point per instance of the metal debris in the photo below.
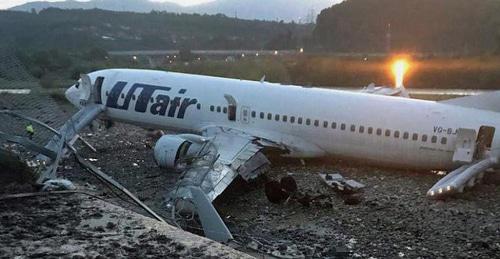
(58, 185)
(341, 184)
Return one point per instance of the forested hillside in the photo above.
(84, 29)
(271, 10)
(422, 26)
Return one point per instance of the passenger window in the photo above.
(444, 140)
(224, 110)
(198, 106)
(353, 128)
(342, 126)
(218, 108)
(299, 121)
(334, 125)
(361, 129)
(292, 119)
(316, 123)
(414, 137)
(325, 124)
(277, 117)
(370, 130)
(406, 135)
(262, 115)
(254, 114)
(133, 97)
(212, 108)
(308, 121)
(387, 133)
(269, 116)
(434, 139)
(285, 118)
(424, 138)
(379, 132)
(396, 134)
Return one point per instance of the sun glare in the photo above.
(399, 69)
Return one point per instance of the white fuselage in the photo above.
(367, 127)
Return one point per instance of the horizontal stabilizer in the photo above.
(487, 101)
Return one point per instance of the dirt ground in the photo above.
(394, 219)
(75, 225)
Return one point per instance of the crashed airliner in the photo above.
(224, 125)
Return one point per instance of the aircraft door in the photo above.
(245, 114)
(484, 140)
(97, 91)
(231, 107)
(465, 146)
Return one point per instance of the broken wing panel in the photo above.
(230, 153)
(236, 154)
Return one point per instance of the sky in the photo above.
(4, 4)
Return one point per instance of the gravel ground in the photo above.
(394, 218)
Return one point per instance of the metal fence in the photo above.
(20, 93)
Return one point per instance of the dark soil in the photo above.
(392, 218)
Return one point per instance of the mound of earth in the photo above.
(78, 225)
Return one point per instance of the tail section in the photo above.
(487, 101)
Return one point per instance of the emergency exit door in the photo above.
(245, 114)
(465, 146)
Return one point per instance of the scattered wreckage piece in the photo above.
(341, 184)
(350, 189)
(57, 185)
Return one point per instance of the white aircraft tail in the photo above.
(487, 101)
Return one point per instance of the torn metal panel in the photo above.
(341, 184)
(236, 153)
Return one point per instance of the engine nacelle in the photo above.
(170, 151)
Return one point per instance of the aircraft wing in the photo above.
(231, 153)
(464, 176)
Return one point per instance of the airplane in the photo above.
(223, 126)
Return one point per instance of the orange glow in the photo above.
(399, 69)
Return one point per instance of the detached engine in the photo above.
(173, 151)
